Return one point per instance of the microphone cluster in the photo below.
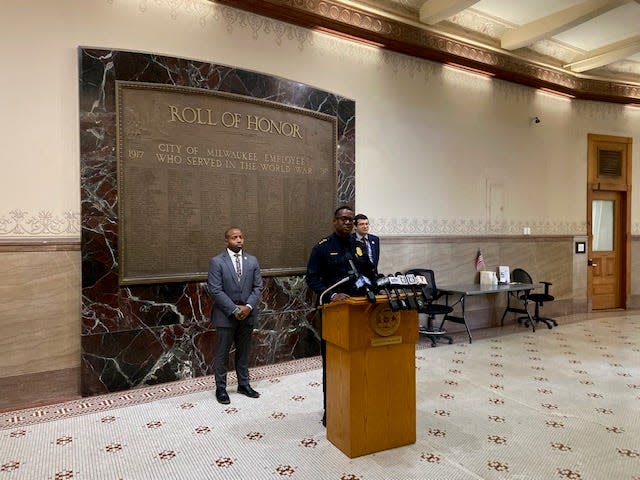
(404, 292)
(361, 282)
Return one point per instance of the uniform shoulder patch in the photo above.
(323, 240)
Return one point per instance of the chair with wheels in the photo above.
(430, 308)
(521, 276)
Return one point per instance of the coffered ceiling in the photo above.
(587, 49)
(598, 37)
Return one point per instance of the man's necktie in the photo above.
(367, 245)
(238, 265)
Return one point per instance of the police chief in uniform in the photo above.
(329, 263)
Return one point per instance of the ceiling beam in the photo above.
(606, 55)
(434, 11)
(556, 22)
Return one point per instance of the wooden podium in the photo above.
(371, 375)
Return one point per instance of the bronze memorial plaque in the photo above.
(193, 162)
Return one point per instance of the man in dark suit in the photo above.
(371, 243)
(235, 285)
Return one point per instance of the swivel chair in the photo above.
(521, 276)
(431, 293)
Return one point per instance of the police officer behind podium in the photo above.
(331, 260)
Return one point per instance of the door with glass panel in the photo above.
(604, 255)
(608, 221)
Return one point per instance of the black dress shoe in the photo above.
(222, 396)
(248, 391)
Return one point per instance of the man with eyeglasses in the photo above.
(328, 264)
(370, 243)
(329, 260)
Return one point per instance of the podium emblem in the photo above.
(384, 321)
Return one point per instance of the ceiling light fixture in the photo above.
(556, 93)
(469, 69)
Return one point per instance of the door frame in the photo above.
(623, 186)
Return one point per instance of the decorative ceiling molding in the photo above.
(412, 38)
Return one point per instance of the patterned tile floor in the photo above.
(554, 404)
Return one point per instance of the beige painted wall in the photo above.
(439, 151)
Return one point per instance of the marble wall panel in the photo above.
(39, 311)
(139, 335)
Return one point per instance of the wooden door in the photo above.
(608, 221)
(605, 250)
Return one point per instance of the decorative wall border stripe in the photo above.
(42, 224)
(471, 227)
(44, 230)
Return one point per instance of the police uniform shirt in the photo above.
(329, 263)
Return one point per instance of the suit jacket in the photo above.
(228, 292)
(374, 242)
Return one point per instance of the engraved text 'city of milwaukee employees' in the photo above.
(192, 155)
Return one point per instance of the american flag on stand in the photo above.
(479, 261)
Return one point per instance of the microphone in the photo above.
(395, 284)
(383, 284)
(370, 294)
(421, 279)
(328, 289)
(408, 297)
(422, 283)
(354, 270)
(352, 274)
(362, 282)
(415, 291)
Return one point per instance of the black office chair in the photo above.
(431, 309)
(521, 276)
